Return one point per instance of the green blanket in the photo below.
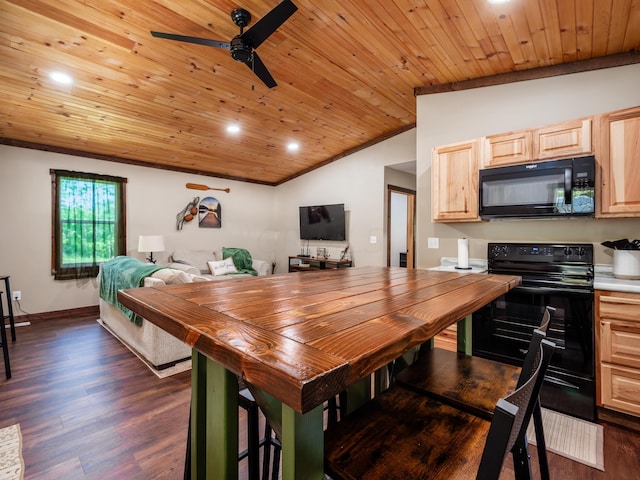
(241, 259)
(121, 273)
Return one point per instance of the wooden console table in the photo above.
(313, 263)
(298, 340)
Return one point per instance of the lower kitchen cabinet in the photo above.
(618, 343)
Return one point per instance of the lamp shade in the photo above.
(151, 243)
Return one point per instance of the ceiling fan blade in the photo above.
(199, 41)
(261, 71)
(268, 24)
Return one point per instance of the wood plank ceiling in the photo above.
(346, 72)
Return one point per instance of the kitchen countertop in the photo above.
(604, 280)
(449, 264)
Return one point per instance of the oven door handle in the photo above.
(559, 381)
(552, 290)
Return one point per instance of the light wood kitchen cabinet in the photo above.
(619, 161)
(618, 351)
(565, 139)
(454, 182)
(507, 149)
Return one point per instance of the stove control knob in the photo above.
(500, 250)
(568, 251)
(580, 251)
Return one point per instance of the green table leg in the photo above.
(302, 436)
(302, 444)
(464, 335)
(358, 394)
(214, 420)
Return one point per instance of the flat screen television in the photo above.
(323, 222)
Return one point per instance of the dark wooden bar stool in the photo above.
(475, 384)
(7, 289)
(5, 345)
(403, 434)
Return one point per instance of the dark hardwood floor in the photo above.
(89, 409)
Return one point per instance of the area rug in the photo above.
(165, 372)
(11, 462)
(571, 437)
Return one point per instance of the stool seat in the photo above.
(469, 383)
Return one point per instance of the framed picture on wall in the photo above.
(209, 213)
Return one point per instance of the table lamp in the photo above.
(151, 243)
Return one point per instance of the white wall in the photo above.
(457, 116)
(154, 198)
(358, 181)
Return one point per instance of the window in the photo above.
(88, 222)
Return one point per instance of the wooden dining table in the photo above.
(298, 340)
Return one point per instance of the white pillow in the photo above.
(190, 269)
(196, 258)
(171, 276)
(222, 267)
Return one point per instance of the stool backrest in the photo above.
(546, 318)
(512, 415)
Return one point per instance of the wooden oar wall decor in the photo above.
(197, 186)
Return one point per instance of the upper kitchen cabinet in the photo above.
(507, 149)
(454, 182)
(561, 140)
(619, 159)
(567, 139)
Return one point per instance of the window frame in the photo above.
(90, 270)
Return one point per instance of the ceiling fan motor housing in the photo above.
(240, 51)
(241, 17)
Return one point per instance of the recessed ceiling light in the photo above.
(61, 78)
(233, 128)
(293, 147)
(499, 1)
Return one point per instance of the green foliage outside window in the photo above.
(88, 217)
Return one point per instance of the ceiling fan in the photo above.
(242, 45)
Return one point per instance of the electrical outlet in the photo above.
(17, 295)
(433, 242)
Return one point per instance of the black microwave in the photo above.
(554, 188)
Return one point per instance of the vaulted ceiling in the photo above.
(347, 73)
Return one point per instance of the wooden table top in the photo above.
(304, 337)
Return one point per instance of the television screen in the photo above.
(322, 222)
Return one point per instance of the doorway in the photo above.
(401, 203)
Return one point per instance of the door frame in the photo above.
(411, 222)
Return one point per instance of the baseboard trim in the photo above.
(72, 312)
(618, 418)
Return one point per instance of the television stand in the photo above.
(304, 263)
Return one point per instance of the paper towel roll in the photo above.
(463, 253)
